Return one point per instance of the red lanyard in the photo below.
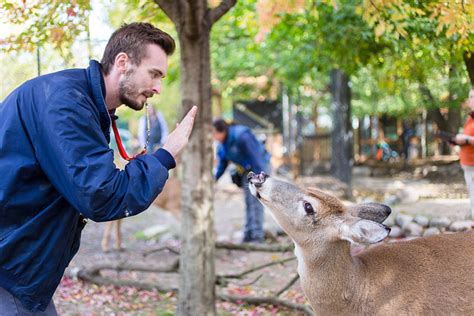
(120, 147)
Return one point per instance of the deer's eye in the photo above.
(308, 208)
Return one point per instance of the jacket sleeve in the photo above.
(222, 163)
(250, 148)
(74, 154)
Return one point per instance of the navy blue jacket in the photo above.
(242, 148)
(56, 168)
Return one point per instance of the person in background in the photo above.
(158, 130)
(466, 155)
(239, 145)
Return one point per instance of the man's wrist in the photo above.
(467, 140)
(165, 158)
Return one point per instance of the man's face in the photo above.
(141, 82)
(218, 136)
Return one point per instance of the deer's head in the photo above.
(312, 215)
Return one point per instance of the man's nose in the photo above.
(156, 88)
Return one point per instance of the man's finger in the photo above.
(188, 120)
(191, 115)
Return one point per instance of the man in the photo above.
(57, 168)
(237, 144)
(466, 155)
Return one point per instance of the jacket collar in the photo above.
(97, 86)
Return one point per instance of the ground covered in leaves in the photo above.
(443, 194)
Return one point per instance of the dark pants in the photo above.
(253, 230)
(11, 306)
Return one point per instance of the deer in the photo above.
(423, 276)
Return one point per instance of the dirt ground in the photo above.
(437, 196)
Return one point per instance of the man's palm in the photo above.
(177, 140)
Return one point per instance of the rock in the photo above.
(391, 200)
(156, 231)
(421, 220)
(408, 196)
(395, 232)
(412, 229)
(460, 226)
(167, 236)
(431, 231)
(368, 200)
(390, 221)
(403, 219)
(440, 222)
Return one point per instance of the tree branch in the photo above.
(287, 286)
(252, 300)
(216, 13)
(255, 247)
(100, 280)
(170, 249)
(127, 266)
(260, 267)
(169, 8)
(232, 246)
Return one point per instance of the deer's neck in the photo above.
(329, 276)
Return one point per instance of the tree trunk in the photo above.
(341, 160)
(469, 62)
(193, 20)
(197, 275)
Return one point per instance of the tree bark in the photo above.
(469, 62)
(197, 272)
(342, 147)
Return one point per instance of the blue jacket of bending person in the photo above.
(242, 148)
(56, 168)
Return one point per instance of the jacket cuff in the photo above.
(165, 158)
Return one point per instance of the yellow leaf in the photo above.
(380, 29)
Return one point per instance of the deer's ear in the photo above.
(363, 231)
(372, 211)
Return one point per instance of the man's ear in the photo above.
(372, 211)
(121, 61)
(363, 231)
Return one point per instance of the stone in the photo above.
(390, 221)
(156, 231)
(391, 200)
(460, 226)
(395, 232)
(412, 229)
(431, 231)
(403, 219)
(421, 220)
(408, 196)
(440, 222)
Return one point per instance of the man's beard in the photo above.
(126, 90)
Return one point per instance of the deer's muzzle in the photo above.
(257, 179)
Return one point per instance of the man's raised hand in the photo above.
(177, 139)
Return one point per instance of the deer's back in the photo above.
(432, 275)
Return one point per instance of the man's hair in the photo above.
(132, 39)
(220, 125)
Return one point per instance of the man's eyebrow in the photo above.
(154, 70)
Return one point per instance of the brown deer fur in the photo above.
(424, 276)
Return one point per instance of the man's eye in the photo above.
(308, 208)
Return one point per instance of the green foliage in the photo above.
(39, 22)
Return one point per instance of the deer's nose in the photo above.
(257, 180)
